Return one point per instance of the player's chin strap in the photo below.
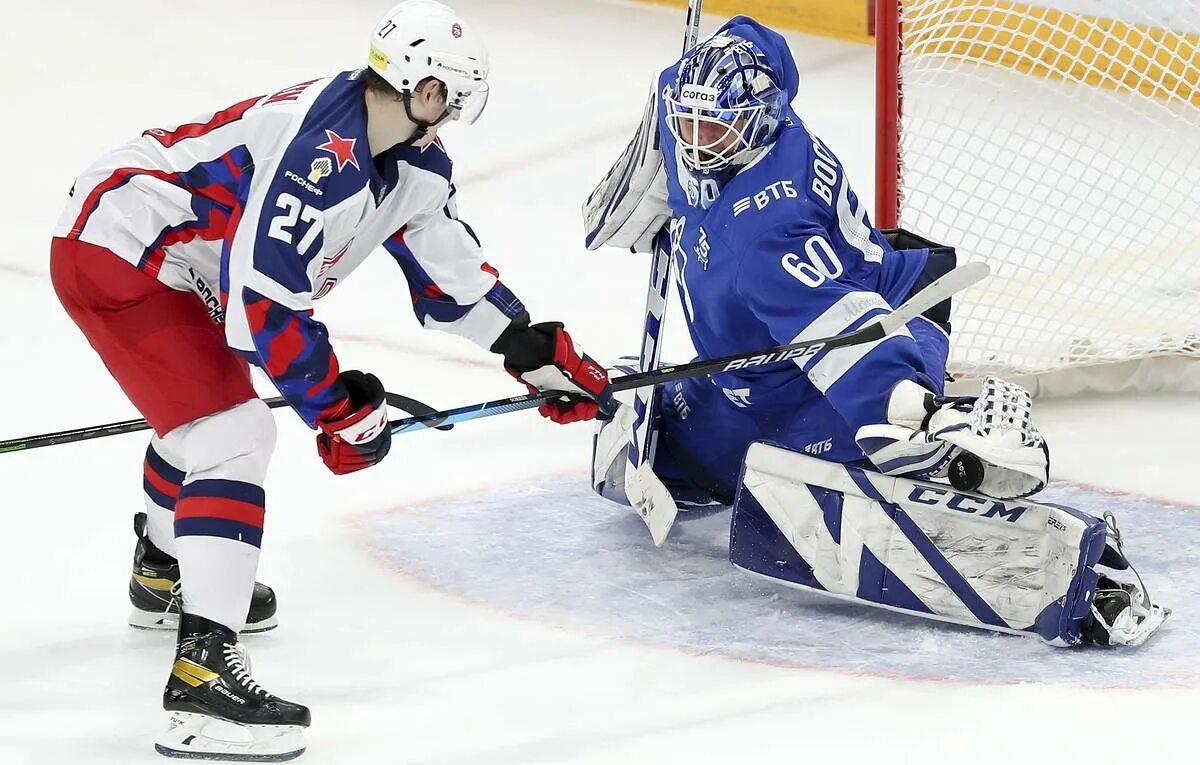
(423, 127)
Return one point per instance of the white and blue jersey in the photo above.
(264, 207)
(783, 251)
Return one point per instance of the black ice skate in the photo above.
(154, 590)
(217, 711)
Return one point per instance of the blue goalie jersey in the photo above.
(782, 251)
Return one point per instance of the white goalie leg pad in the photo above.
(614, 475)
(917, 547)
(200, 737)
(629, 206)
(927, 438)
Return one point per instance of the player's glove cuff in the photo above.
(544, 358)
(357, 434)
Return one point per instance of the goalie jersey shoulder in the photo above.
(797, 182)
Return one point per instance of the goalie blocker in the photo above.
(930, 550)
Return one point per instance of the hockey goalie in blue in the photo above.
(849, 471)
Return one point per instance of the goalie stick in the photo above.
(403, 403)
(951, 283)
(654, 504)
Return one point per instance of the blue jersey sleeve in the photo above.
(267, 273)
(793, 278)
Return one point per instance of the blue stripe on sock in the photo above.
(225, 489)
(218, 527)
(162, 467)
(157, 497)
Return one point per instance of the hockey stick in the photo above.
(951, 283)
(403, 403)
(647, 494)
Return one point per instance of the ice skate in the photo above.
(154, 590)
(1122, 615)
(217, 710)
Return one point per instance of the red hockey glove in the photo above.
(357, 435)
(543, 357)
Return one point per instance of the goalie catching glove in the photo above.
(985, 443)
(357, 434)
(543, 357)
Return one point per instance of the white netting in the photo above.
(1062, 146)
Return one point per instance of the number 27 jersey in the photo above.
(264, 207)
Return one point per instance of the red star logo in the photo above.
(341, 148)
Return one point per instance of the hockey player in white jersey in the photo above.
(772, 246)
(193, 251)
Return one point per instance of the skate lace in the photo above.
(239, 665)
(1110, 521)
(176, 596)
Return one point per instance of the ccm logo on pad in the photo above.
(965, 503)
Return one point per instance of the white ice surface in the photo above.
(398, 669)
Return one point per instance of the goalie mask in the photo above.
(724, 105)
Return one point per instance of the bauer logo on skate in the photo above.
(965, 503)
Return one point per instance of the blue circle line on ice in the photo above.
(555, 552)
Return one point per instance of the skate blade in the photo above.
(1147, 626)
(200, 737)
(159, 620)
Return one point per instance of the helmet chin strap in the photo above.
(423, 127)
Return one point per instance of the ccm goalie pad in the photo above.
(929, 550)
(629, 206)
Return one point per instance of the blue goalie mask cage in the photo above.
(724, 105)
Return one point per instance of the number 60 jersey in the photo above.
(266, 206)
(781, 250)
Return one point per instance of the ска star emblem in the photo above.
(341, 148)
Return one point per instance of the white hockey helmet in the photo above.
(423, 38)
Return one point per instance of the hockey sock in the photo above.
(161, 482)
(218, 531)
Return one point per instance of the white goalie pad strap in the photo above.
(898, 450)
(916, 547)
(629, 206)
